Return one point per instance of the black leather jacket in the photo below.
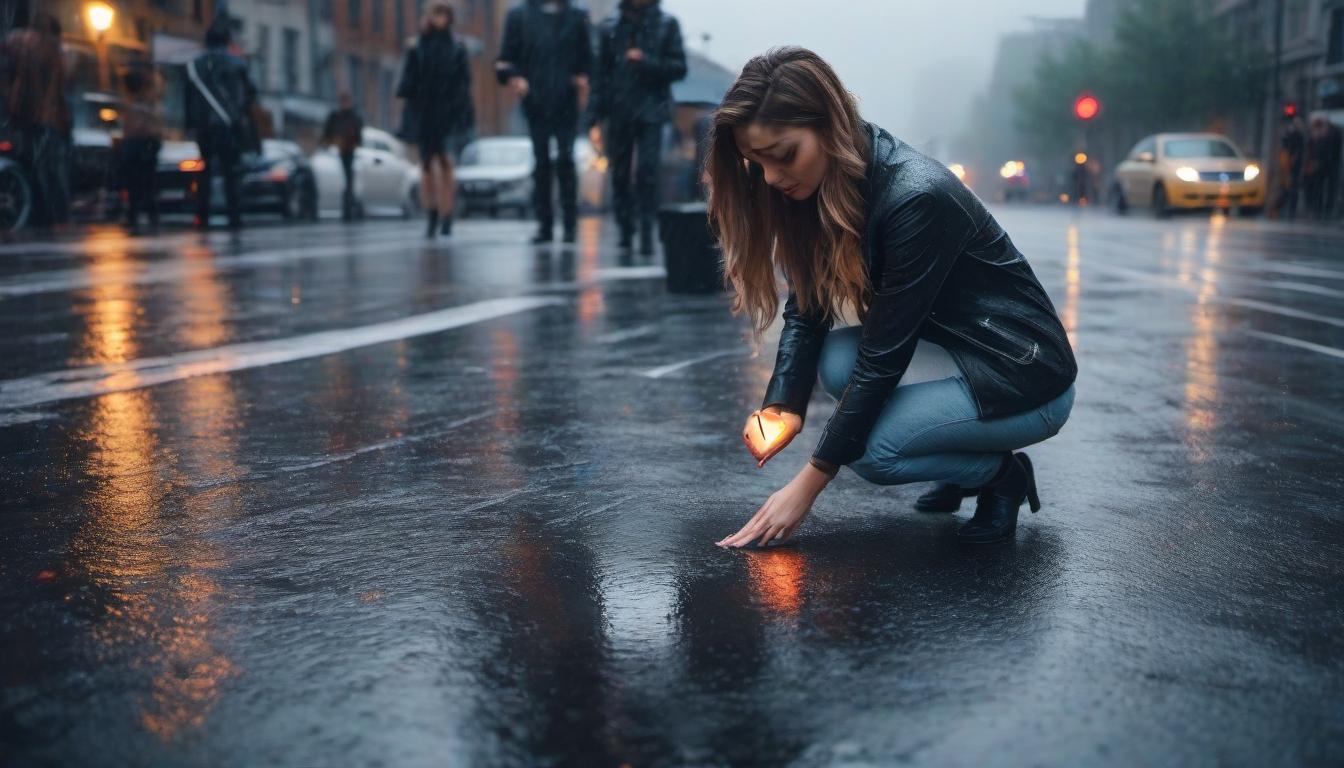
(636, 91)
(942, 269)
(548, 49)
(225, 75)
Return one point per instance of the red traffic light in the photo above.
(1290, 109)
(1086, 106)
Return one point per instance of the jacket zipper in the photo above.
(1023, 359)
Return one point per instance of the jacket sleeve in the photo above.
(510, 61)
(796, 362)
(921, 237)
(668, 63)
(410, 75)
(600, 78)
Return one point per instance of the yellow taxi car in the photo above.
(1188, 170)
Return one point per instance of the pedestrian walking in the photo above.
(544, 59)
(1320, 171)
(142, 137)
(219, 99)
(344, 130)
(40, 115)
(639, 56)
(959, 358)
(436, 84)
(1292, 147)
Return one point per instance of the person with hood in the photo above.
(544, 59)
(344, 130)
(639, 56)
(436, 83)
(219, 96)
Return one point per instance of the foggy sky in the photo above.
(914, 64)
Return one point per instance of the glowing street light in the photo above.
(1080, 158)
(100, 16)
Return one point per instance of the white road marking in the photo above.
(1300, 344)
(92, 381)
(616, 337)
(660, 372)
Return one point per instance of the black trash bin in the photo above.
(690, 250)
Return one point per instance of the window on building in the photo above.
(260, 57)
(355, 78)
(1294, 19)
(388, 87)
(399, 17)
(291, 60)
(324, 10)
(352, 11)
(1335, 48)
(376, 16)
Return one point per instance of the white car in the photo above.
(387, 182)
(495, 175)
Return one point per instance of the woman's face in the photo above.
(439, 19)
(791, 156)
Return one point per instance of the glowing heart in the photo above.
(765, 431)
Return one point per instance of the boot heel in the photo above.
(1033, 498)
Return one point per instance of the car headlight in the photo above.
(1186, 173)
(1251, 172)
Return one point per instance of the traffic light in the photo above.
(1290, 109)
(1086, 107)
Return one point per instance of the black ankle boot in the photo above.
(571, 235)
(433, 227)
(996, 508)
(544, 235)
(447, 228)
(646, 242)
(945, 497)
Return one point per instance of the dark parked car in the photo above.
(278, 180)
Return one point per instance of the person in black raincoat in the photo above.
(544, 59)
(219, 96)
(436, 83)
(639, 56)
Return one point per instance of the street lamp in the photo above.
(100, 17)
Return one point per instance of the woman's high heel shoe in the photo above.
(996, 508)
(945, 497)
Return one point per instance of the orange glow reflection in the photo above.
(591, 300)
(109, 323)
(203, 301)
(153, 592)
(777, 577)
(1201, 365)
(1072, 286)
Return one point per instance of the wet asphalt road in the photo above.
(332, 496)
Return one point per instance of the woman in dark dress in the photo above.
(958, 358)
(436, 83)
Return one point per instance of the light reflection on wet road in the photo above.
(490, 541)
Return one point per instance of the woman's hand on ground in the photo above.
(768, 431)
(783, 512)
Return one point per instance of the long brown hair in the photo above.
(816, 242)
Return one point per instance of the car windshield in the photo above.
(1183, 148)
(496, 154)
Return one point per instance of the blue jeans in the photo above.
(930, 430)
